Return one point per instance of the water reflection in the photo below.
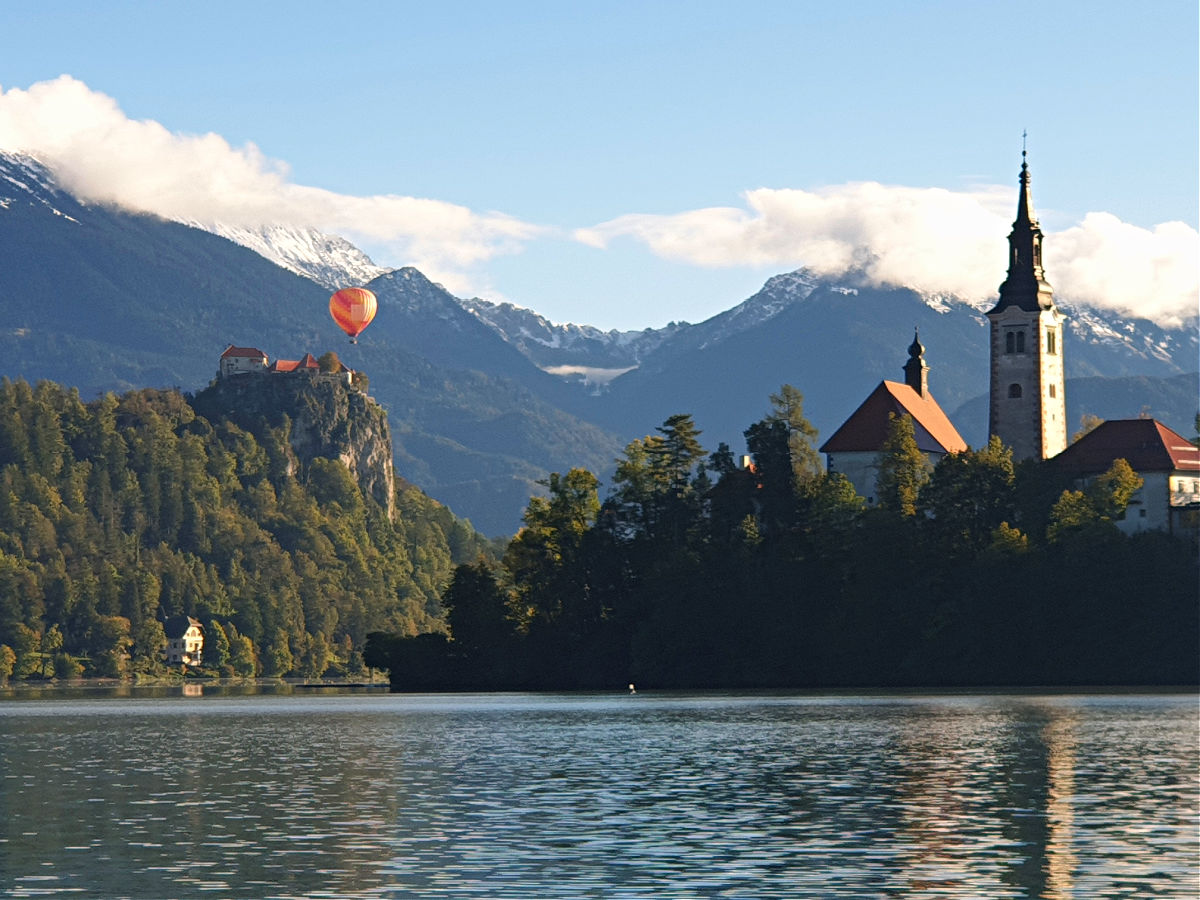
(624, 796)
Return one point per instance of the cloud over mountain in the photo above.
(929, 239)
(102, 155)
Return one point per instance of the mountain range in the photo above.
(487, 398)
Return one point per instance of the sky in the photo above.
(628, 164)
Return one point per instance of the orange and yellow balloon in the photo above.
(352, 309)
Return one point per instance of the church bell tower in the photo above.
(1027, 408)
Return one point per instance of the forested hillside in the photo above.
(697, 573)
(119, 512)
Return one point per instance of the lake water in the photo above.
(652, 795)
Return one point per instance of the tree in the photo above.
(903, 468)
(24, 642)
(315, 659)
(1112, 491)
(767, 441)
(216, 646)
(149, 641)
(329, 362)
(476, 609)
(969, 494)
(1008, 541)
(8, 660)
(787, 407)
(1098, 506)
(542, 559)
(109, 643)
(242, 656)
(279, 660)
(52, 641)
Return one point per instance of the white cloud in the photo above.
(103, 156)
(929, 239)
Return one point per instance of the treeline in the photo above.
(697, 572)
(118, 513)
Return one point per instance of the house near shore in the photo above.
(185, 641)
(1167, 462)
(854, 449)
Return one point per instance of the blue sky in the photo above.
(593, 161)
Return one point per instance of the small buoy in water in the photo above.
(632, 689)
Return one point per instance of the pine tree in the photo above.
(903, 468)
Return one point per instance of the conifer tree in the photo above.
(903, 468)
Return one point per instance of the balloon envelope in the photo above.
(352, 309)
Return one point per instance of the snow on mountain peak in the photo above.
(327, 259)
(25, 179)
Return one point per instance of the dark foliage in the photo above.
(988, 574)
(118, 513)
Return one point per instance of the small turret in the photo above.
(916, 370)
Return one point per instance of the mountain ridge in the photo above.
(480, 407)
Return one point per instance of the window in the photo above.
(1014, 391)
(1053, 391)
(1020, 342)
(1009, 342)
(1051, 343)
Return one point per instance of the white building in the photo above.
(853, 450)
(237, 360)
(185, 641)
(1168, 463)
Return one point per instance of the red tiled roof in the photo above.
(1146, 444)
(291, 365)
(252, 352)
(867, 427)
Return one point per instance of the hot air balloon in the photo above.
(352, 309)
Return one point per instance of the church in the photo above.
(1027, 399)
(1027, 407)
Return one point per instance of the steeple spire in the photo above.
(916, 370)
(1026, 284)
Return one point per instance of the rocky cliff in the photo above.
(322, 415)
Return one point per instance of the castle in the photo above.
(247, 360)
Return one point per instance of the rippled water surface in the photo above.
(523, 796)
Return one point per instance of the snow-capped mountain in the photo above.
(329, 260)
(561, 347)
(486, 397)
(24, 179)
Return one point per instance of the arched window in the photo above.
(1051, 343)
(1009, 346)
(1020, 342)
(1014, 391)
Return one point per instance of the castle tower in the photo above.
(1028, 404)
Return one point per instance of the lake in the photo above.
(326, 794)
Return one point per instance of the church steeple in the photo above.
(1026, 286)
(916, 370)
(1027, 407)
